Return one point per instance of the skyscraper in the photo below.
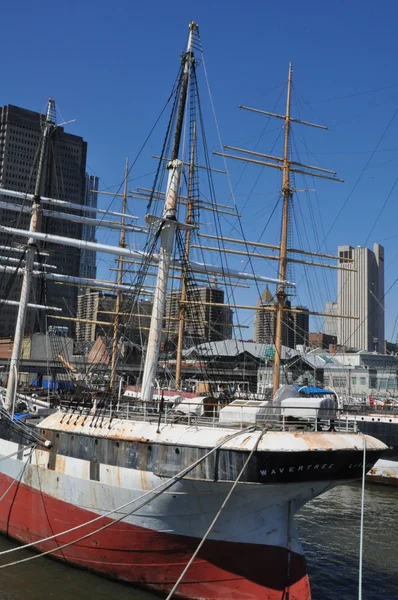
(88, 258)
(97, 306)
(203, 322)
(264, 320)
(64, 178)
(295, 326)
(301, 326)
(361, 294)
(331, 325)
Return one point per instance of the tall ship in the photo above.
(185, 497)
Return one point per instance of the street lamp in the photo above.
(349, 380)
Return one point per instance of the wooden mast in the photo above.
(286, 194)
(122, 244)
(286, 166)
(189, 221)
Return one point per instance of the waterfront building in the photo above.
(361, 294)
(362, 375)
(321, 340)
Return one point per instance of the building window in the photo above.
(362, 380)
(353, 380)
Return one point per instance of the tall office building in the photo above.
(203, 323)
(88, 258)
(64, 178)
(301, 326)
(331, 325)
(361, 294)
(264, 320)
(295, 327)
(96, 305)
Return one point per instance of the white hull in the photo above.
(116, 462)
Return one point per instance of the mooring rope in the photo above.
(19, 478)
(214, 521)
(362, 520)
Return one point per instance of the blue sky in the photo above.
(111, 66)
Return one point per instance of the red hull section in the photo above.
(222, 571)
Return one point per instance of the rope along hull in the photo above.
(152, 559)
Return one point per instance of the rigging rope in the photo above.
(19, 478)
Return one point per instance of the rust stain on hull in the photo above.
(384, 479)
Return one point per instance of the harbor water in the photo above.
(329, 528)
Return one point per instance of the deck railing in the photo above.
(208, 415)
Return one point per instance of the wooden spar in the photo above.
(189, 165)
(142, 316)
(269, 114)
(292, 162)
(240, 306)
(184, 278)
(178, 268)
(110, 286)
(80, 320)
(271, 257)
(92, 321)
(270, 246)
(64, 203)
(201, 204)
(122, 244)
(75, 218)
(111, 194)
(269, 308)
(160, 193)
(197, 280)
(274, 166)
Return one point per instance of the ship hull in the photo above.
(384, 427)
(103, 472)
(224, 570)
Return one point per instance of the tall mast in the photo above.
(287, 195)
(122, 244)
(29, 261)
(168, 226)
(286, 166)
(189, 219)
